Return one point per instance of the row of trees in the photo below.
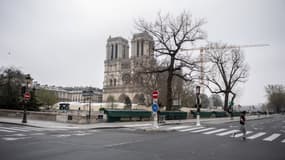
(11, 97)
(172, 35)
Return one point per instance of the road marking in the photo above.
(178, 127)
(62, 135)
(256, 135)
(13, 139)
(4, 130)
(82, 134)
(227, 133)
(283, 141)
(137, 125)
(13, 129)
(272, 137)
(215, 131)
(190, 129)
(37, 134)
(17, 135)
(202, 130)
(241, 134)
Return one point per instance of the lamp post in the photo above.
(26, 99)
(198, 105)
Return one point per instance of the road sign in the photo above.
(155, 107)
(27, 96)
(155, 94)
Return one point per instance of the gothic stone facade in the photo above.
(119, 77)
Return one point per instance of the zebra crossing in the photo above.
(233, 133)
(12, 133)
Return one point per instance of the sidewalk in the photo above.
(105, 125)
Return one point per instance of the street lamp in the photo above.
(26, 90)
(198, 105)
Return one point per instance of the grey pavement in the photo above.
(105, 125)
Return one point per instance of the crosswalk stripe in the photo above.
(227, 133)
(179, 127)
(13, 129)
(4, 130)
(215, 131)
(283, 141)
(190, 129)
(241, 134)
(256, 135)
(272, 137)
(202, 130)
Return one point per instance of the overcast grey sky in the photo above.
(62, 42)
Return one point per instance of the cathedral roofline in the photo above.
(119, 38)
(142, 35)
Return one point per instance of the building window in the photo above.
(111, 82)
(112, 51)
(114, 82)
(142, 46)
(138, 49)
(124, 51)
(116, 51)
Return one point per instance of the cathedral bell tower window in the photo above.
(116, 51)
(138, 49)
(112, 51)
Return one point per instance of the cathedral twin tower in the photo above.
(120, 80)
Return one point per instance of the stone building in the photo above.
(120, 80)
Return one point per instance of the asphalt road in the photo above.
(123, 144)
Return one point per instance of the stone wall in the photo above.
(66, 117)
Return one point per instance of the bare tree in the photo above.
(227, 68)
(170, 35)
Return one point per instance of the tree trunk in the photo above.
(169, 92)
(226, 102)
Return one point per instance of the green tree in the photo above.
(11, 81)
(46, 97)
(204, 101)
(128, 103)
(217, 100)
(276, 97)
(188, 97)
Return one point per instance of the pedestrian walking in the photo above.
(242, 125)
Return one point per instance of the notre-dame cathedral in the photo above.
(120, 81)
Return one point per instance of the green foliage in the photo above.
(276, 97)
(11, 80)
(217, 100)
(204, 101)
(128, 103)
(46, 97)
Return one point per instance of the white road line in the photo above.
(283, 141)
(215, 131)
(227, 133)
(13, 139)
(63, 135)
(203, 130)
(37, 134)
(4, 130)
(137, 125)
(190, 129)
(13, 129)
(16, 135)
(178, 127)
(256, 135)
(241, 134)
(81, 134)
(272, 137)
